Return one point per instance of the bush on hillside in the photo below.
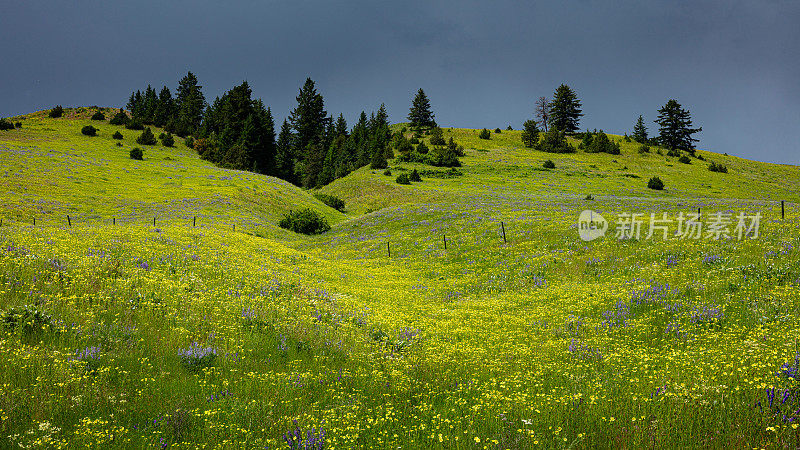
(6, 125)
(437, 137)
(387, 172)
(117, 135)
(305, 221)
(18, 125)
(485, 134)
(119, 118)
(549, 164)
(555, 141)
(422, 148)
(189, 142)
(98, 116)
(684, 160)
(442, 157)
(167, 140)
(509, 128)
(530, 134)
(414, 140)
(27, 318)
(644, 148)
(714, 167)
(497, 130)
(332, 201)
(402, 179)
(89, 130)
(136, 153)
(414, 176)
(56, 112)
(655, 183)
(147, 137)
(600, 143)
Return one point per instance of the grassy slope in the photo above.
(430, 348)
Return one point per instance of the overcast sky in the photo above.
(734, 65)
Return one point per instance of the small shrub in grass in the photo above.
(196, 358)
(119, 118)
(117, 135)
(89, 130)
(6, 125)
(714, 167)
(509, 128)
(414, 176)
(27, 318)
(497, 130)
(644, 148)
(549, 164)
(306, 221)
(18, 125)
(684, 160)
(167, 140)
(555, 142)
(189, 142)
(332, 201)
(56, 112)
(403, 179)
(437, 137)
(136, 153)
(485, 134)
(655, 183)
(98, 116)
(134, 124)
(387, 172)
(147, 137)
(119, 144)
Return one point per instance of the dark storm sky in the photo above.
(734, 65)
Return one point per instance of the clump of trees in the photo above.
(555, 141)
(56, 112)
(305, 221)
(120, 118)
(331, 200)
(6, 124)
(599, 143)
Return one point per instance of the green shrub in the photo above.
(119, 144)
(6, 125)
(332, 201)
(414, 176)
(136, 153)
(134, 124)
(509, 128)
(89, 130)
(119, 118)
(387, 172)
(600, 143)
(305, 221)
(549, 164)
(98, 116)
(414, 140)
(437, 137)
(555, 141)
(167, 140)
(27, 318)
(422, 148)
(684, 159)
(147, 137)
(485, 134)
(189, 142)
(18, 125)
(497, 130)
(56, 112)
(117, 135)
(714, 167)
(655, 183)
(530, 134)
(644, 148)
(403, 179)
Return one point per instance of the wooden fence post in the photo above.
(113, 221)
(69, 222)
(388, 249)
(444, 238)
(154, 221)
(194, 221)
(503, 226)
(783, 211)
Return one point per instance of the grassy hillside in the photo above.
(544, 340)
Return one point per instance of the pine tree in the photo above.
(530, 133)
(420, 114)
(284, 158)
(340, 129)
(639, 131)
(164, 108)
(309, 121)
(565, 110)
(189, 106)
(675, 127)
(150, 105)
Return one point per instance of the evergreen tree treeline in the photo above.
(236, 131)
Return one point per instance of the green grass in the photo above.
(545, 340)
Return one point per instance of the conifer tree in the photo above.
(530, 133)
(189, 105)
(565, 110)
(675, 127)
(420, 114)
(284, 158)
(639, 131)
